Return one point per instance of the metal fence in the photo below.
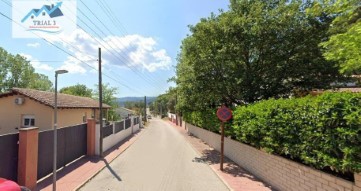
(9, 156)
(118, 126)
(107, 130)
(127, 123)
(72, 144)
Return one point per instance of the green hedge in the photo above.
(207, 119)
(322, 131)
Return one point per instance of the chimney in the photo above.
(52, 6)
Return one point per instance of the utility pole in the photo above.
(100, 104)
(175, 110)
(145, 108)
(161, 112)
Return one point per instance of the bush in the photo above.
(323, 131)
(207, 119)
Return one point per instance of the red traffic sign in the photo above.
(224, 113)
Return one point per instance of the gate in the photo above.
(72, 144)
(9, 149)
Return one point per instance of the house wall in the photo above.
(11, 114)
(69, 117)
(281, 173)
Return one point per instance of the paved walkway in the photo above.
(76, 174)
(233, 175)
(159, 160)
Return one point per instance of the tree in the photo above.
(165, 102)
(344, 45)
(110, 99)
(257, 50)
(136, 106)
(41, 82)
(16, 71)
(78, 90)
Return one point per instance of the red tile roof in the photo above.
(64, 100)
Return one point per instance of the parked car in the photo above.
(11, 185)
(149, 117)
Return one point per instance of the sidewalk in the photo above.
(233, 176)
(76, 174)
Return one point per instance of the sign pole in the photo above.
(224, 114)
(222, 145)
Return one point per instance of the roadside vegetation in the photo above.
(108, 96)
(261, 58)
(16, 71)
(164, 103)
(323, 131)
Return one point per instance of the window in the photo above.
(28, 121)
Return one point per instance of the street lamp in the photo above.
(55, 124)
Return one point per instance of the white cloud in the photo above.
(34, 45)
(133, 51)
(36, 64)
(73, 65)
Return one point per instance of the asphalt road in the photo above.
(161, 159)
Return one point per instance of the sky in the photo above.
(139, 41)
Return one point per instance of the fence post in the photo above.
(113, 126)
(357, 177)
(90, 137)
(28, 157)
(132, 122)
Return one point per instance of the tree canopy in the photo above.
(108, 98)
(16, 71)
(136, 106)
(256, 50)
(165, 102)
(344, 44)
(77, 90)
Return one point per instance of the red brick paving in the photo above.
(233, 176)
(76, 174)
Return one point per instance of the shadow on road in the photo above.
(111, 170)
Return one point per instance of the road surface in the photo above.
(161, 159)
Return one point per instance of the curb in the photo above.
(140, 133)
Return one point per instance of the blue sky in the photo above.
(139, 53)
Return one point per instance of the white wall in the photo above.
(135, 128)
(111, 140)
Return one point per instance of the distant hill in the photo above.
(122, 100)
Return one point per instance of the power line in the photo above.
(104, 42)
(59, 48)
(148, 77)
(56, 61)
(110, 14)
(110, 46)
(82, 61)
